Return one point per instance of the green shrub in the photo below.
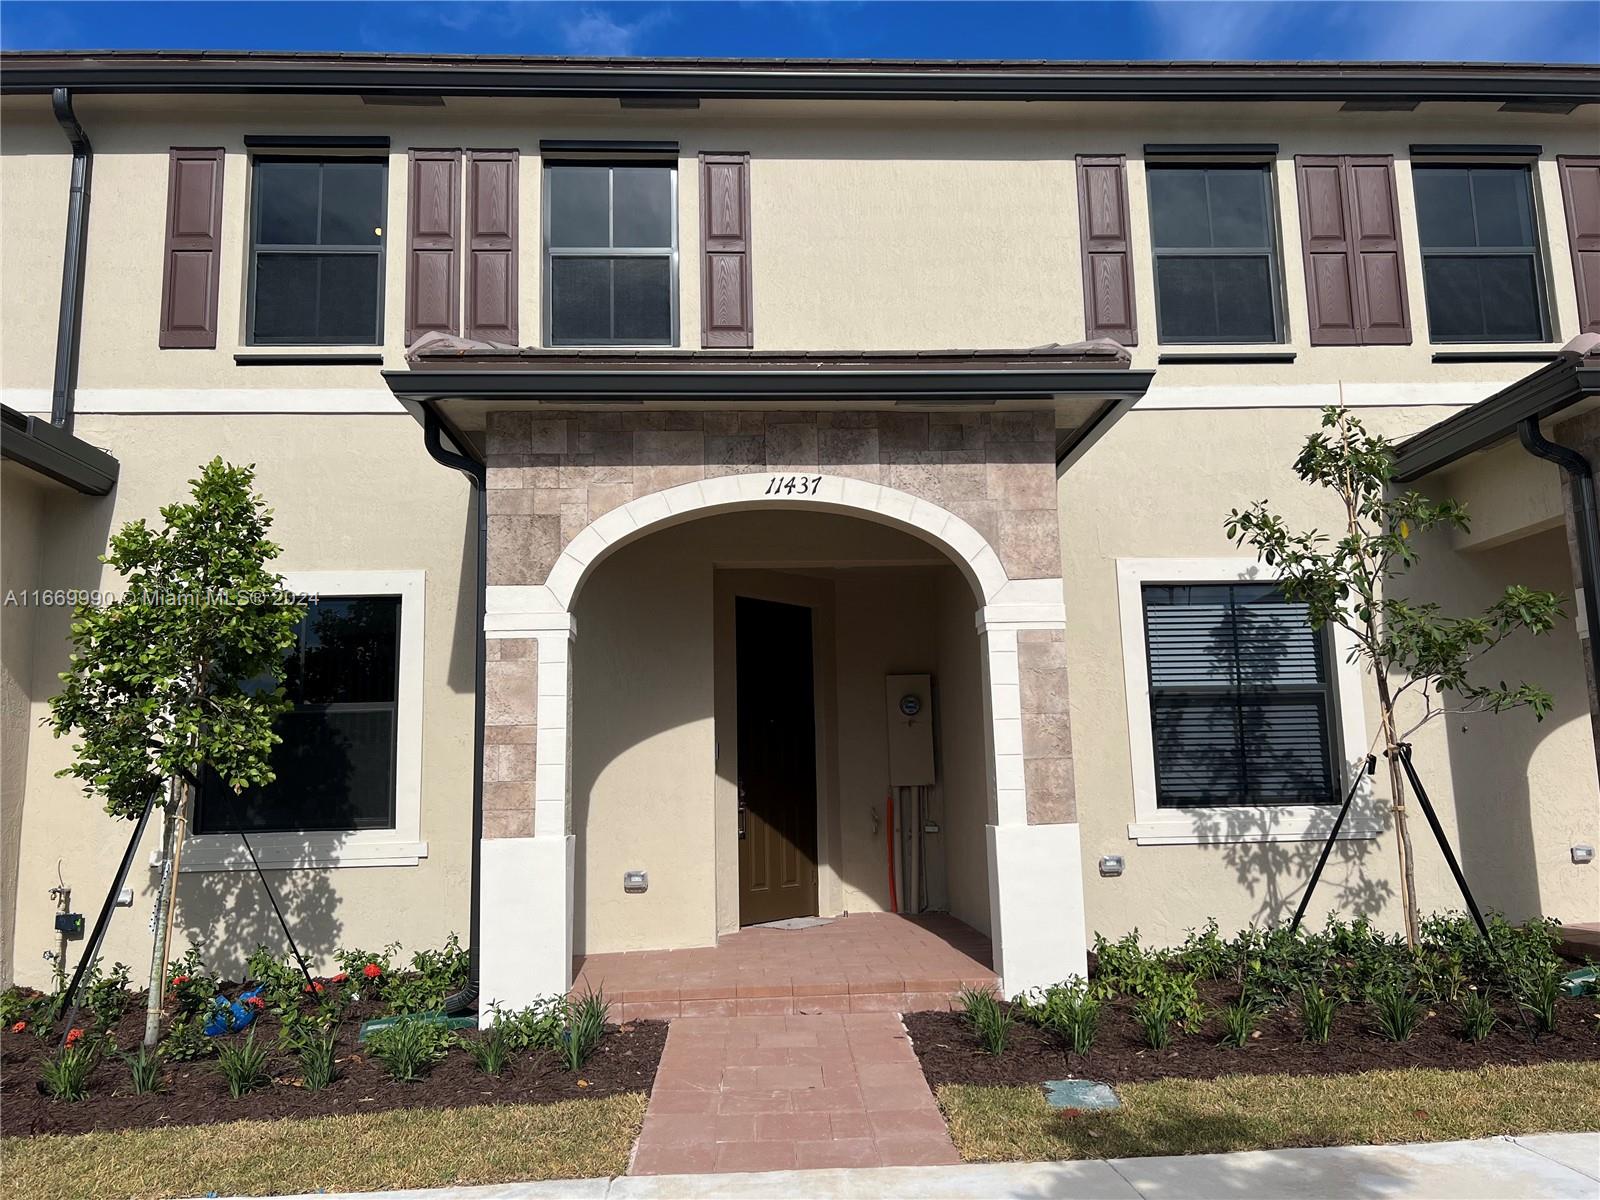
(65, 1073)
(186, 1041)
(1155, 1015)
(107, 997)
(243, 1065)
(489, 1051)
(1317, 1008)
(370, 971)
(583, 1025)
(537, 1027)
(1538, 995)
(1395, 1011)
(281, 981)
(317, 1066)
(1477, 1016)
(189, 985)
(145, 1068)
(1239, 1021)
(990, 1019)
(1206, 954)
(1069, 1011)
(409, 1048)
(434, 975)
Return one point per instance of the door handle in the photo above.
(742, 810)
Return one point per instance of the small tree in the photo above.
(179, 675)
(1408, 647)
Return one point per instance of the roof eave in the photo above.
(41, 447)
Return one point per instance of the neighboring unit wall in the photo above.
(349, 494)
(1582, 433)
(1512, 792)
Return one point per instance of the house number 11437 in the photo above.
(796, 485)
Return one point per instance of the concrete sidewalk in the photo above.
(1551, 1165)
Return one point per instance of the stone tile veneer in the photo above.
(551, 474)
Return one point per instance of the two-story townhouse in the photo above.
(739, 491)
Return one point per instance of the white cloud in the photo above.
(595, 31)
(530, 27)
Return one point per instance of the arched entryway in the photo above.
(1030, 846)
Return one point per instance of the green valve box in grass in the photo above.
(370, 1027)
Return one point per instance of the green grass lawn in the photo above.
(404, 1149)
(1262, 1112)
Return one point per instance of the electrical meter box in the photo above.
(910, 699)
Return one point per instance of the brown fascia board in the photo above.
(34, 443)
(214, 72)
(1547, 391)
(1101, 356)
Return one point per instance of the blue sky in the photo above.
(1521, 30)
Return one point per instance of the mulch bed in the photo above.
(949, 1053)
(195, 1093)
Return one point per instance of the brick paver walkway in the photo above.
(768, 1093)
(864, 962)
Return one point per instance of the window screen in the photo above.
(336, 762)
(611, 255)
(316, 270)
(1239, 697)
(1480, 256)
(1215, 253)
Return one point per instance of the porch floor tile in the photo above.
(848, 1092)
(859, 963)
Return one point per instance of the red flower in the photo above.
(19, 1027)
(178, 980)
(74, 1037)
(340, 977)
(372, 970)
(314, 987)
(256, 1002)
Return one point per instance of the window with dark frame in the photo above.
(316, 251)
(1241, 698)
(611, 254)
(336, 763)
(1214, 235)
(1480, 253)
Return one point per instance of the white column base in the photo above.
(525, 925)
(1036, 905)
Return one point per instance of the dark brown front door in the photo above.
(777, 762)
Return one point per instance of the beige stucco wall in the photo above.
(651, 761)
(874, 226)
(1513, 793)
(332, 482)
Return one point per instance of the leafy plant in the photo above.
(1068, 1010)
(1440, 974)
(243, 1065)
(146, 1070)
(1317, 1008)
(1206, 954)
(107, 997)
(186, 1041)
(489, 1052)
(65, 1074)
(1155, 1015)
(1396, 1012)
(537, 1027)
(583, 1025)
(1347, 580)
(990, 1019)
(409, 1048)
(317, 1066)
(189, 984)
(1239, 1021)
(1538, 995)
(434, 975)
(1477, 1016)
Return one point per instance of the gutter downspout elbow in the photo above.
(69, 327)
(1585, 520)
(475, 471)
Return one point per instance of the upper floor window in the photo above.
(316, 251)
(611, 246)
(1480, 255)
(335, 764)
(1216, 254)
(1240, 697)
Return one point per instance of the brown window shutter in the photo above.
(491, 314)
(1380, 271)
(192, 259)
(1580, 188)
(725, 302)
(433, 292)
(1325, 233)
(1108, 303)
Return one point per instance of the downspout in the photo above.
(1585, 525)
(70, 325)
(433, 428)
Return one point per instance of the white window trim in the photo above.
(398, 847)
(1154, 826)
